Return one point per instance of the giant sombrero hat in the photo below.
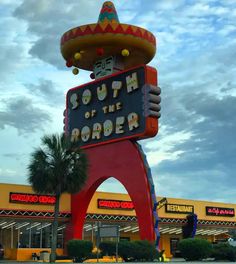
(84, 45)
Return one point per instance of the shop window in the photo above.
(35, 235)
(60, 236)
(46, 235)
(24, 237)
(89, 232)
(31, 235)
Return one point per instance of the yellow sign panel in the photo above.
(179, 208)
(161, 203)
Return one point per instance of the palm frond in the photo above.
(56, 167)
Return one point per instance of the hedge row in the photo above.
(130, 250)
(198, 249)
(224, 251)
(191, 249)
(142, 250)
(195, 248)
(79, 249)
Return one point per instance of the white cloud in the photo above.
(165, 147)
(156, 157)
(7, 172)
(227, 29)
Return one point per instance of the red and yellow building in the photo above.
(26, 220)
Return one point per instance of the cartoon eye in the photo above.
(98, 64)
(109, 60)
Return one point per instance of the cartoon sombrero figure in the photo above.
(83, 46)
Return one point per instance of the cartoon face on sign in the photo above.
(107, 66)
(103, 67)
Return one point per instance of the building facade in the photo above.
(26, 220)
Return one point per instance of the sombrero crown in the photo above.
(110, 35)
(108, 13)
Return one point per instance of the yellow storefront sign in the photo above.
(179, 208)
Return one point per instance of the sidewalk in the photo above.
(177, 260)
(34, 262)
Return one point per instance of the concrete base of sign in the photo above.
(121, 160)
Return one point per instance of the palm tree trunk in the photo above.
(54, 229)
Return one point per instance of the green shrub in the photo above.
(137, 250)
(79, 249)
(130, 250)
(108, 248)
(144, 250)
(126, 250)
(195, 248)
(224, 251)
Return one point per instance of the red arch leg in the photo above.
(122, 161)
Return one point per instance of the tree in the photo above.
(56, 168)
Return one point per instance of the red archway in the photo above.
(123, 161)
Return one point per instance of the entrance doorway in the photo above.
(174, 247)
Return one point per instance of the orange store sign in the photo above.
(115, 204)
(30, 198)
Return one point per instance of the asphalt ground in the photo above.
(179, 261)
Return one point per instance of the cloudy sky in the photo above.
(194, 154)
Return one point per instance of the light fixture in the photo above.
(127, 229)
(32, 226)
(164, 230)
(61, 227)
(22, 225)
(174, 230)
(135, 229)
(124, 228)
(12, 223)
(46, 225)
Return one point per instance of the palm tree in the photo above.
(54, 169)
